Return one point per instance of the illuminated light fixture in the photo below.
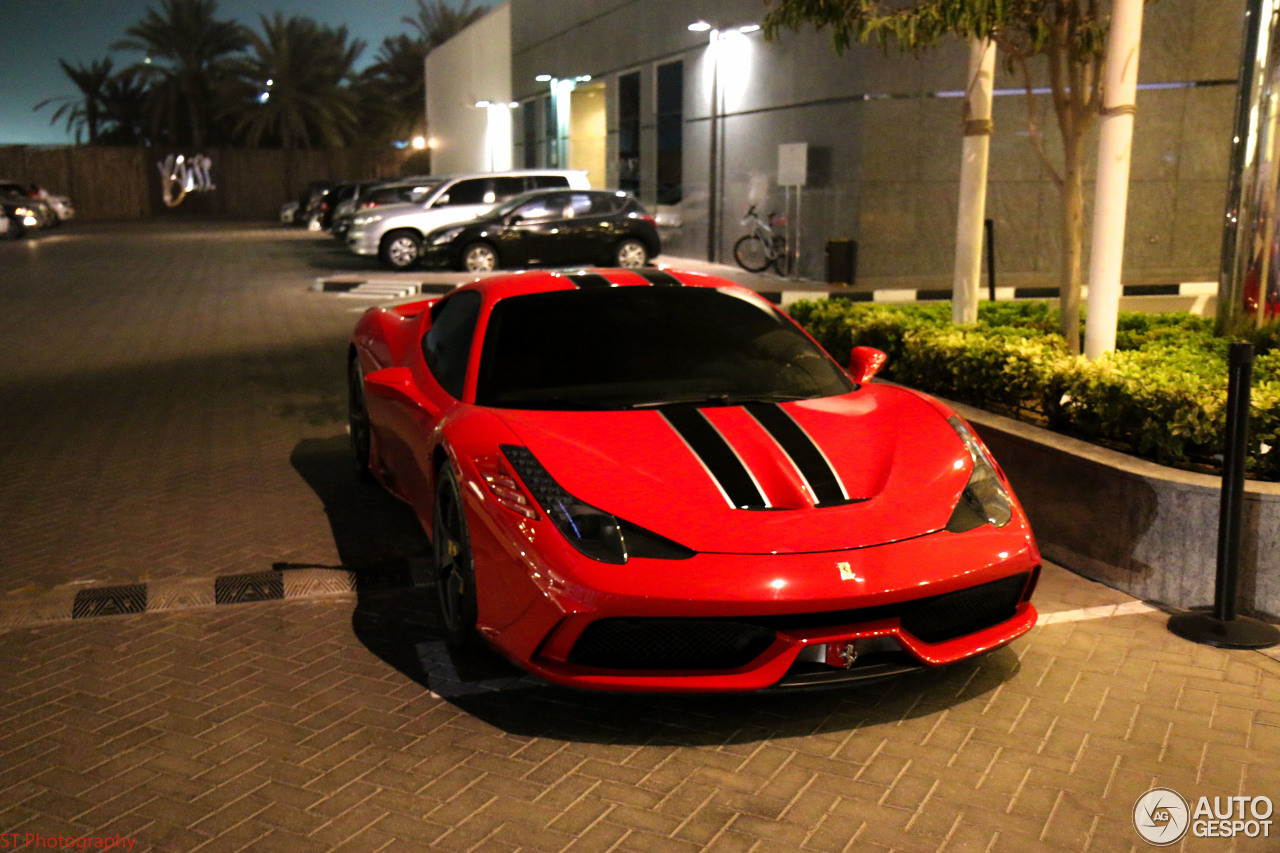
(585, 78)
(271, 81)
(748, 28)
(482, 104)
(544, 78)
(419, 142)
(699, 27)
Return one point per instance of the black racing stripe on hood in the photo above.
(720, 460)
(796, 443)
(586, 280)
(659, 278)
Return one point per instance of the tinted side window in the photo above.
(603, 204)
(472, 191)
(544, 182)
(447, 345)
(548, 207)
(505, 188)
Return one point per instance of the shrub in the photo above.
(1162, 394)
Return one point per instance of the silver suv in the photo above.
(394, 232)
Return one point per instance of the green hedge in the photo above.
(1161, 395)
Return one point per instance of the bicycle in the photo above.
(764, 246)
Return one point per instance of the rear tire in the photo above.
(400, 249)
(631, 254)
(358, 423)
(455, 571)
(751, 254)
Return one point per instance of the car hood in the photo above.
(898, 466)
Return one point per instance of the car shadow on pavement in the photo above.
(380, 540)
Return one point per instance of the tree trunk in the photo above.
(1072, 201)
(973, 182)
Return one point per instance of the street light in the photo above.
(713, 179)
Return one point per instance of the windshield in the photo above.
(634, 347)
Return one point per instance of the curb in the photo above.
(71, 602)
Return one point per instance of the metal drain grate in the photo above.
(110, 601)
(239, 589)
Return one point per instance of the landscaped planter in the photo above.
(1148, 530)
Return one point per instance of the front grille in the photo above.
(955, 614)
(719, 644)
(670, 644)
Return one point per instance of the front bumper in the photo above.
(721, 622)
(362, 240)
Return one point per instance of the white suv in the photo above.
(394, 232)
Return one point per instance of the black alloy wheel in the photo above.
(358, 422)
(455, 571)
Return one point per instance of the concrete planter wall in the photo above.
(1148, 530)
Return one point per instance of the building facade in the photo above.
(692, 123)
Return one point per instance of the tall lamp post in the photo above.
(714, 165)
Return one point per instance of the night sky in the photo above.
(35, 34)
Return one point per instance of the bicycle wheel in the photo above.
(751, 254)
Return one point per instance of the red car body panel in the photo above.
(865, 565)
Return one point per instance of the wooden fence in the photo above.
(125, 183)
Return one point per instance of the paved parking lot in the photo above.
(173, 407)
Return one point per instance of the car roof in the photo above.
(497, 287)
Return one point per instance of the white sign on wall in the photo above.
(793, 164)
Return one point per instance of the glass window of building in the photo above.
(670, 133)
(629, 131)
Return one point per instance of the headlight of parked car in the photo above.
(984, 499)
(445, 236)
(368, 219)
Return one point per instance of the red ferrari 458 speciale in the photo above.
(654, 480)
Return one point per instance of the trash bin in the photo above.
(842, 261)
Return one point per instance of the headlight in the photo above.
(596, 533)
(367, 220)
(445, 236)
(984, 499)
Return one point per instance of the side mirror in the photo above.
(865, 362)
(515, 219)
(396, 384)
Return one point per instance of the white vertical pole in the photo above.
(973, 181)
(1112, 193)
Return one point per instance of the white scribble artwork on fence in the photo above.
(180, 175)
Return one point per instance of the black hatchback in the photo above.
(550, 228)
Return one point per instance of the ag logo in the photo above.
(1161, 816)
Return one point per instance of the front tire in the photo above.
(479, 257)
(358, 423)
(455, 570)
(400, 249)
(751, 254)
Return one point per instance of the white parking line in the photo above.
(1101, 612)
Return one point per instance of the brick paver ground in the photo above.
(171, 404)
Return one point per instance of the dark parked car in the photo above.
(550, 227)
(376, 195)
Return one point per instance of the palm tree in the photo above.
(437, 22)
(124, 104)
(85, 111)
(393, 90)
(184, 47)
(294, 87)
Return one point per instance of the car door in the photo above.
(587, 232)
(529, 234)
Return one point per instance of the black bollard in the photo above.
(1222, 628)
